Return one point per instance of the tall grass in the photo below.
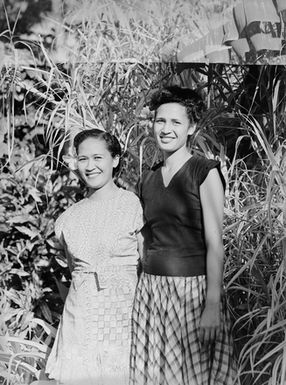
(255, 270)
(244, 128)
(89, 31)
(113, 95)
(144, 31)
(23, 357)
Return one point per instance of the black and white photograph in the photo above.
(142, 192)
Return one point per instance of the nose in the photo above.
(90, 164)
(166, 128)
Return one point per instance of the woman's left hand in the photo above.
(210, 323)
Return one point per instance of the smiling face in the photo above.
(172, 127)
(95, 163)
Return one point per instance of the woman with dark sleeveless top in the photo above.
(180, 330)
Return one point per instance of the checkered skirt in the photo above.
(165, 347)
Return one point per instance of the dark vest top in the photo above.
(174, 219)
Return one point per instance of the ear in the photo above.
(116, 160)
(192, 128)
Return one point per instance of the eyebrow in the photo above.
(172, 119)
(96, 154)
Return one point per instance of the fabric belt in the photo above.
(90, 272)
(175, 266)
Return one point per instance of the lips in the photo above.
(92, 174)
(166, 139)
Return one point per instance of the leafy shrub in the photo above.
(58, 102)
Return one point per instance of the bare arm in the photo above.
(212, 200)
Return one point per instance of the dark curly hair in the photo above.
(185, 96)
(112, 143)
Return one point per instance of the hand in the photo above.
(210, 323)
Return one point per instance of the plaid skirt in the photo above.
(165, 346)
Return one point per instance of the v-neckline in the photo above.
(175, 174)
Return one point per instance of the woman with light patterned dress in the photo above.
(99, 236)
(180, 326)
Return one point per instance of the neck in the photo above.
(173, 158)
(103, 193)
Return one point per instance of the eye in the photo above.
(159, 120)
(81, 159)
(176, 122)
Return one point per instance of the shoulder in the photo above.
(150, 172)
(202, 167)
(68, 213)
(130, 197)
(68, 218)
(131, 206)
(201, 162)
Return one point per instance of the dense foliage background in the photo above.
(243, 127)
(99, 30)
(44, 103)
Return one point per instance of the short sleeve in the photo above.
(205, 166)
